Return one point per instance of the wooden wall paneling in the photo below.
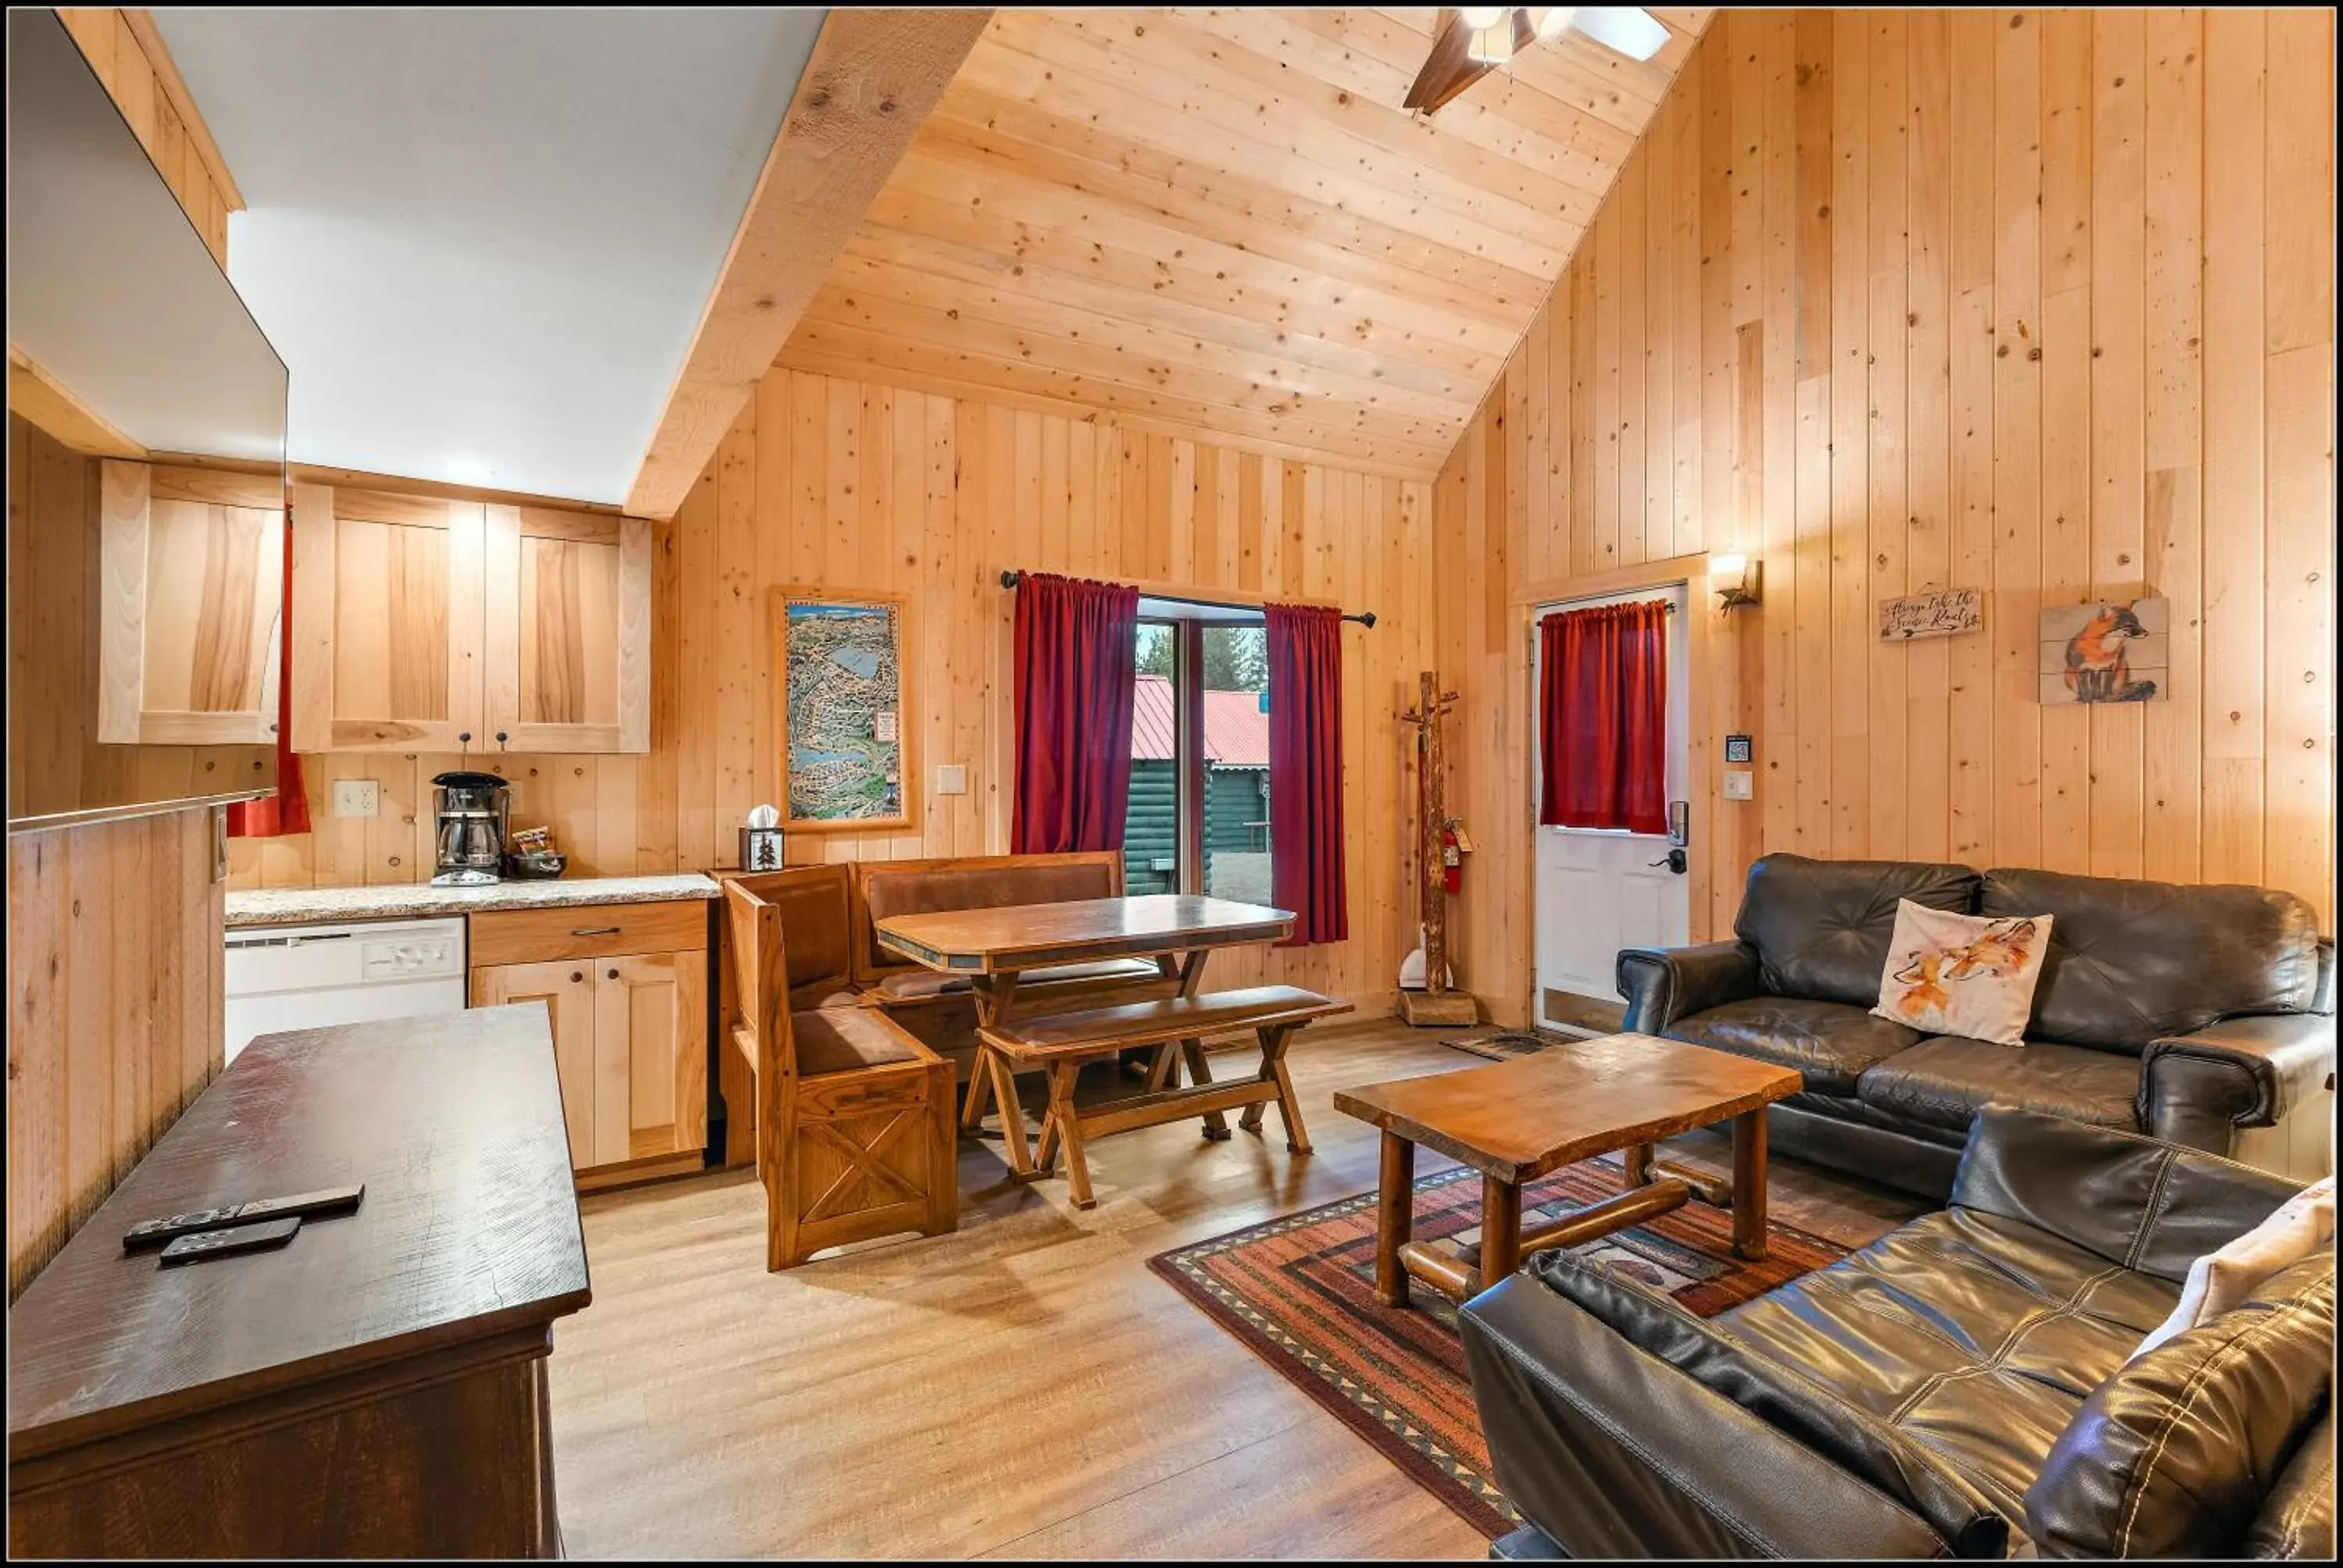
(1889, 256)
(2117, 404)
(2173, 558)
(2298, 782)
(2075, 340)
(114, 944)
(1970, 128)
(1776, 714)
(2013, 623)
(1927, 445)
(1809, 350)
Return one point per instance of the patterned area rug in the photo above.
(1300, 1293)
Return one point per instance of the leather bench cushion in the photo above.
(1976, 1337)
(1830, 1043)
(1821, 928)
(2131, 961)
(2176, 1453)
(981, 886)
(842, 1039)
(921, 984)
(1945, 1079)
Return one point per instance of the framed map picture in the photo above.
(846, 719)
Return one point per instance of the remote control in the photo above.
(325, 1200)
(206, 1245)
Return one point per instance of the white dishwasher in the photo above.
(305, 977)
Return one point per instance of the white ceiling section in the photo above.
(482, 238)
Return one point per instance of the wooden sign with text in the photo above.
(1943, 614)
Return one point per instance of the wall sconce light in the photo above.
(1734, 579)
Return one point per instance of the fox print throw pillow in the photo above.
(1963, 974)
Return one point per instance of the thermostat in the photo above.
(1737, 748)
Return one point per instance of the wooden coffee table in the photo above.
(1519, 1120)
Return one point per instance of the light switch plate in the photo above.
(356, 797)
(1740, 784)
(952, 779)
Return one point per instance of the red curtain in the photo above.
(1077, 660)
(1305, 771)
(287, 810)
(1603, 711)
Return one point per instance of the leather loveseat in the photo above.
(2199, 1014)
(1967, 1385)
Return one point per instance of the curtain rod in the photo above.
(1667, 606)
(1010, 578)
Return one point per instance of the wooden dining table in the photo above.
(992, 948)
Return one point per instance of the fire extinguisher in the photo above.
(1453, 847)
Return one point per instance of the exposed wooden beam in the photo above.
(40, 398)
(141, 23)
(873, 79)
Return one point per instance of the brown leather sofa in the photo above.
(1964, 1386)
(2204, 1015)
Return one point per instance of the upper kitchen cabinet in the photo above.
(568, 630)
(191, 585)
(436, 625)
(387, 606)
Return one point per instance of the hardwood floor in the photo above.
(1021, 1388)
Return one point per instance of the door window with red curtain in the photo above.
(1602, 718)
(1305, 771)
(1075, 662)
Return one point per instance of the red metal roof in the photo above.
(1236, 731)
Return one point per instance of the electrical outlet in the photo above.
(1740, 784)
(356, 797)
(952, 779)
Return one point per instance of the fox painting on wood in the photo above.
(2106, 652)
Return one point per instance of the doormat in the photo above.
(1300, 1293)
(1503, 1045)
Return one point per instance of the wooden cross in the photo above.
(1431, 772)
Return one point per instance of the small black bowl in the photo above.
(536, 866)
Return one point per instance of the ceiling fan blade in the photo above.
(1630, 29)
(1449, 69)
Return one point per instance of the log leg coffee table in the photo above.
(1520, 1120)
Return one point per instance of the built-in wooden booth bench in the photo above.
(834, 960)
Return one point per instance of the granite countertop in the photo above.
(397, 901)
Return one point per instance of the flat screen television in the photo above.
(146, 527)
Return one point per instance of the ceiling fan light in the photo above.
(1554, 22)
(1480, 18)
(1490, 47)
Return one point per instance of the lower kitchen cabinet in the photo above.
(629, 1033)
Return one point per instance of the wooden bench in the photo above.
(854, 1114)
(1060, 1042)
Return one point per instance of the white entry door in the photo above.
(1600, 889)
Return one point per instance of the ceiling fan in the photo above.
(1474, 40)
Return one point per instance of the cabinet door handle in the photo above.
(576, 975)
(613, 974)
(595, 930)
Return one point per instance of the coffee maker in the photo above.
(473, 808)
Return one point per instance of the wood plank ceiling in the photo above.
(1220, 220)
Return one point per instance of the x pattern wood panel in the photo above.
(1220, 220)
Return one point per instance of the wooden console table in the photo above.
(376, 1388)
